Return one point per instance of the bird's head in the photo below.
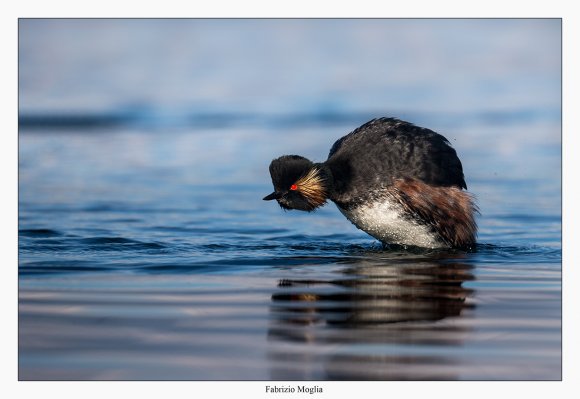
(298, 183)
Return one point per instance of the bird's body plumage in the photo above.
(382, 150)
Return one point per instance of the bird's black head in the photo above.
(298, 183)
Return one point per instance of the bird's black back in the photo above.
(386, 149)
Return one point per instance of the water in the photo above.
(146, 252)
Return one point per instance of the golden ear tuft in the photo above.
(312, 187)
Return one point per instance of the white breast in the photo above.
(384, 220)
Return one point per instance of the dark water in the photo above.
(146, 252)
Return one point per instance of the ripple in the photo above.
(198, 253)
(39, 233)
(111, 243)
(510, 253)
(61, 266)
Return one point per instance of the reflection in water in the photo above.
(353, 322)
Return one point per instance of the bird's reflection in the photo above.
(380, 302)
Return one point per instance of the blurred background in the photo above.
(247, 91)
(459, 77)
(287, 66)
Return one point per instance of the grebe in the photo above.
(398, 182)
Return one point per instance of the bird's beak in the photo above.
(274, 195)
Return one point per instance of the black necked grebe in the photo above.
(400, 183)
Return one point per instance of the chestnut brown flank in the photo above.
(448, 210)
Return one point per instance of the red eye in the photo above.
(293, 187)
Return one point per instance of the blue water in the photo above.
(146, 252)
